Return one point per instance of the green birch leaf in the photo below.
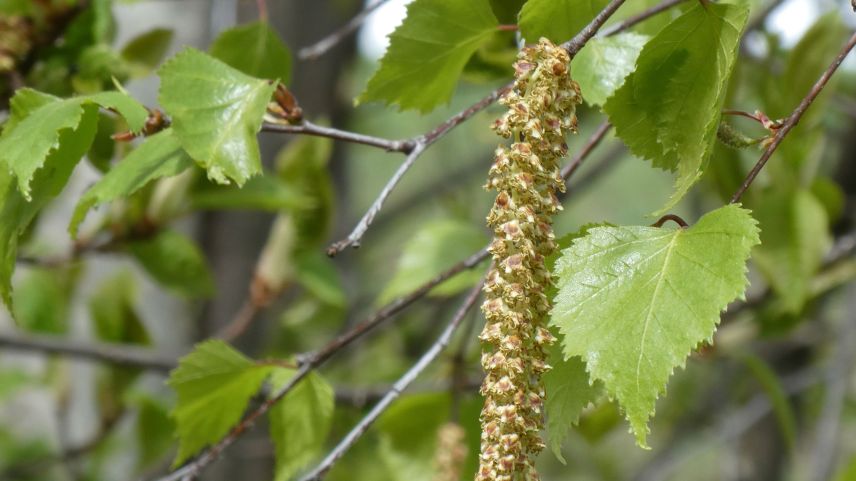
(176, 262)
(558, 20)
(568, 393)
(29, 139)
(256, 50)
(668, 109)
(265, 192)
(794, 238)
(153, 428)
(434, 248)
(158, 156)
(41, 302)
(216, 112)
(214, 383)
(506, 10)
(300, 423)
(16, 212)
(428, 52)
(114, 316)
(634, 301)
(602, 65)
(317, 273)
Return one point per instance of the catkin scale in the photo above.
(541, 110)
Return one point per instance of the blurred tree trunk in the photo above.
(233, 240)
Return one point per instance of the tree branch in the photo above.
(351, 438)
(120, 354)
(794, 118)
(640, 17)
(308, 128)
(574, 45)
(321, 47)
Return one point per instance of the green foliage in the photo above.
(113, 313)
(174, 261)
(144, 52)
(302, 166)
(214, 383)
(256, 50)
(568, 393)
(299, 424)
(216, 112)
(435, 247)
(428, 52)
(668, 109)
(794, 239)
(558, 20)
(265, 192)
(154, 429)
(41, 302)
(630, 305)
(317, 273)
(159, 156)
(602, 65)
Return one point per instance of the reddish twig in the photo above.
(794, 118)
(671, 217)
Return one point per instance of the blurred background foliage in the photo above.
(772, 400)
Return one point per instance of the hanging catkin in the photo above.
(541, 110)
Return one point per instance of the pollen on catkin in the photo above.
(541, 110)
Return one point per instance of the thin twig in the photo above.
(308, 128)
(356, 433)
(593, 141)
(321, 47)
(420, 144)
(640, 17)
(119, 354)
(574, 45)
(242, 320)
(795, 117)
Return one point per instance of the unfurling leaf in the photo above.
(634, 301)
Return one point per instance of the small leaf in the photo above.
(113, 314)
(41, 302)
(558, 20)
(265, 192)
(176, 262)
(159, 156)
(154, 429)
(568, 393)
(317, 273)
(668, 109)
(602, 65)
(428, 52)
(214, 383)
(634, 301)
(300, 423)
(145, 51)
(256, 50)
(434, 248)
(794, 238)
(216, 113)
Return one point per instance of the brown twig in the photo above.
(640, 17)
(308, 128)
(357, 432)
(794, 118)
(574, 45)
(119, 354)
(321, 47)
(593, 141)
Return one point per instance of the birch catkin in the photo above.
(541, 110)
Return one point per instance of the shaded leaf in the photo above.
(435, 247)
(216, 113)
(428, 52)
(145, 51)
(317, 273)
(254, 49)
(176, 262)
(264, 192)
(158, 156)
(630, 305)
(794, 238)
(668, 109)
(41, 302)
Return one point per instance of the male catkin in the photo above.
(541, 110)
